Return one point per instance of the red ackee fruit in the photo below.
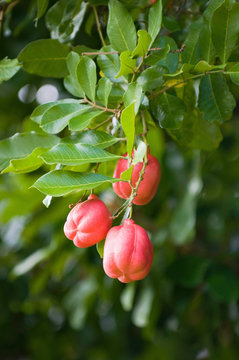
(148, 185)
(88, 222)
(128, 252)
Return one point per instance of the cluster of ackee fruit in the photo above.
(128, 251)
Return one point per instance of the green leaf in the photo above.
(207, 48)
(191, 54)
(45, 57)
(158, 55)
(21, 145)
(27, 164)
(127, 174)
(234, 73)
(64, 19)
(40, 110)
(225, 30)
(171, 60)
(103, 90)
(215, 100)
(151, 78)
(80, 122)
(86, 74)
(202, 67)
(128, 126)
(60, 182)
(144, 42)
(41, 7)
(127, 64)
(8, 68)
(92, 137)
(169, 110)
(224, 286)
(197, 133)
(133, 94)
(155, 20)
(76, 154)
(100, 248)
(120, 27)
(109, 64)
(57, 117)
(188, 271)
(72, 61)
(139, 154)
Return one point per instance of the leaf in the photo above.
(58, 116)
(197, 133)
(110, 64)
(92, 137)
(64, 19)
(41, 7)
(80, 122)
(128, 126)
(158, 55)
(224, 286)
(139, 154)
(45, 57)
(207, 48)
(27, 164)
(169, 110)
(144, 42)
(86, 74)
(120, 27)
(151, 78)
(133, 94)
(8, 68)
(215, 100)
(234, 74)
(40, 110)
(100, 248)
(77, 154)
(191, 54)
(171, 60)
(188, 271)
(202, 66)
(21, 145)
(127, 64)
(72, 61)
(155, 20)
(127, 174)
(103, 90)
(60, 182)
(225, 30)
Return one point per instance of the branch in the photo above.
(117, 52)
(166, 88)
(99, 26)
(94, 105)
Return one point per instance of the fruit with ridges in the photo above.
(88, 222)
(148, 185)
(128, 252)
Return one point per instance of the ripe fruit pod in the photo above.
(88, 222)
(128, 252)
(148, 186)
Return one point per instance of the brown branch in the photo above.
(98, 26)
(117, 52)
(106, 109)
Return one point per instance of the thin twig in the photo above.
(166, 88)
(99, 26)
(103, 123)
(88, 53)
(114, 111)
(73, 205)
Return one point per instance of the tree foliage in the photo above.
(127, 73)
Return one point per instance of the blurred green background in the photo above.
(55, 300)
